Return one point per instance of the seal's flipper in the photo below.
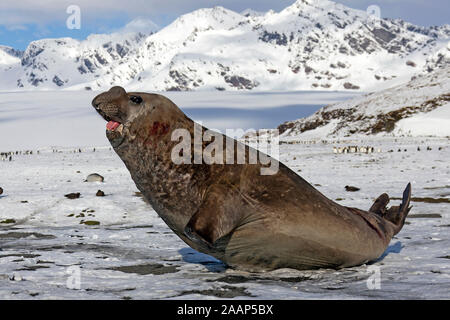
(216, 217)
(379, 206)
(397, 214)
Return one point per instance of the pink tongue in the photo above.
(112, 125)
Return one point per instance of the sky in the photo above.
(23, 21)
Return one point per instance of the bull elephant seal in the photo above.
(232, 211)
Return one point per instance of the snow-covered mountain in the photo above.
(312, 44)
(9, 56)
(420, 107)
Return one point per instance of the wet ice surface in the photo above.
(132, 254)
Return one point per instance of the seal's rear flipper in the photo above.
(379, 206)
(397, 214)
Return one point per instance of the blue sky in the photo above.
(27, 20)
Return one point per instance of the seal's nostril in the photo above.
(96, 105)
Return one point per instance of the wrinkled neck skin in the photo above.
(145, 145)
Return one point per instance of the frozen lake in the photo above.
(66, 118)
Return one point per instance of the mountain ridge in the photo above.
(310, 45)
(420, 107)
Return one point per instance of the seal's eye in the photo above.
(136, 99)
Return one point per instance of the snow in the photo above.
(422, 105)
(434, 123)
(132, 254)
(7, 59)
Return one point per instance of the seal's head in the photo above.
(117, 107)
(135, 113)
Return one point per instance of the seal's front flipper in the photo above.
(216, 217)
(397, 214)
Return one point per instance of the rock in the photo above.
(100, 193)
(424, 215)
(241, 82)
(90, 223)
(350, 86)
(351, 189)
(72, 195)
(1, 190)
(8, 221)
(94, 177)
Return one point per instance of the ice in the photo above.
(66, 118)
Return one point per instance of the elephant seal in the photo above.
(231, 211)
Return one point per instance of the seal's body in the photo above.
(232, 211)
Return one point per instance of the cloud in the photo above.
(14, 14)
(48, 11)
(140, 24)
(16, 27)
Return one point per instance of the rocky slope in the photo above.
(312, 44)
(420, 107)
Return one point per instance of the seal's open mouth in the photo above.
(109, 113)
(117, 108)
(112, 125)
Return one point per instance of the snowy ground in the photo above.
(131, 254)
(118, 248)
